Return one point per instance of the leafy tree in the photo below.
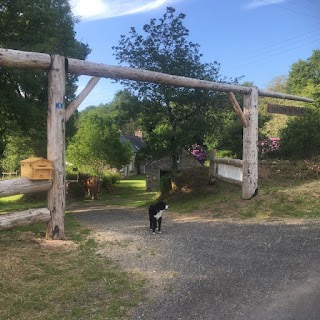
(40, 26)
(125, 108)
(304, 77)
(171, 117)
(275, 122)
(97, 142)
(17, 148)
(300, 139)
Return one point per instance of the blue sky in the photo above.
(257, 39)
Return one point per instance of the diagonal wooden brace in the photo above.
(73, 106)
(237, 109)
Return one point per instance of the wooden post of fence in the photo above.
(250, 145)
(213, 167)
(56, 147)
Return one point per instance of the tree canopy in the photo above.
(300, 138)
(97, 142)
(41, 26)
(171, 117)
(304, 77)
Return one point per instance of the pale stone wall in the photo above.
(155, 167)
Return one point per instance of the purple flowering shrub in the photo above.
(268, 146)
(198, 152)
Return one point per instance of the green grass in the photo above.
(39, 282)
(129, 192)
(51, 282)
(18, 203)
(286, 190)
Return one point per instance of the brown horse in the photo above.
(91, 185)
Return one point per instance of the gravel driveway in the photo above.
(207, 269)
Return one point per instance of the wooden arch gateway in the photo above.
(57, 66)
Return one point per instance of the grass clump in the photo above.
(41, 281)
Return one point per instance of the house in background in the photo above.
(156, 169)
(137, 143)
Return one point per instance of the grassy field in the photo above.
(286, 190)
(70, 281)
(61, 280)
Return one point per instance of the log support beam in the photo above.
(56, 148)
(250, 145)
(24, 218)
(237, 108)
(74, 105)
(23, 186)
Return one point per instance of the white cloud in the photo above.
(102, 9)
(262, 3)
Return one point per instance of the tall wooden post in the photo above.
(56, 147)
(213, 166)
(250, 145)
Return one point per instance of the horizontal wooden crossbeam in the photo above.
(35, 60)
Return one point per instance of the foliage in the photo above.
(275, 122)
(40, 26)
(304, 77)
(300, 139)
(172, 118)
(17, 148)
(97, 142)
(232, 135)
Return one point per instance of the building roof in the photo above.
(136, 142)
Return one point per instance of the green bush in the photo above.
(301, 138)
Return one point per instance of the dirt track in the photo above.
(205, 269)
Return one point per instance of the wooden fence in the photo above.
(58, 115)
(28, 217)
(228, 170)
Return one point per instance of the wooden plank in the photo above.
(23, 186)
(250, 149)
(228, 180)
(271, 94)
(231, 162)
(24, 218)
(56, 148)
(23, 59)
(237, 109)
(287, 110)
(81, 67)
(230, 172)
(74, 105)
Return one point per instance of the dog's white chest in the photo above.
(159, 214)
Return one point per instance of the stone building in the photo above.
(159, 168)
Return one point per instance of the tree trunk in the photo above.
(174, 172)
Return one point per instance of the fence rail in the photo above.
(27, 217)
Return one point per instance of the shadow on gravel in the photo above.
(205, 269)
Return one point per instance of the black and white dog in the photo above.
(155, 215)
